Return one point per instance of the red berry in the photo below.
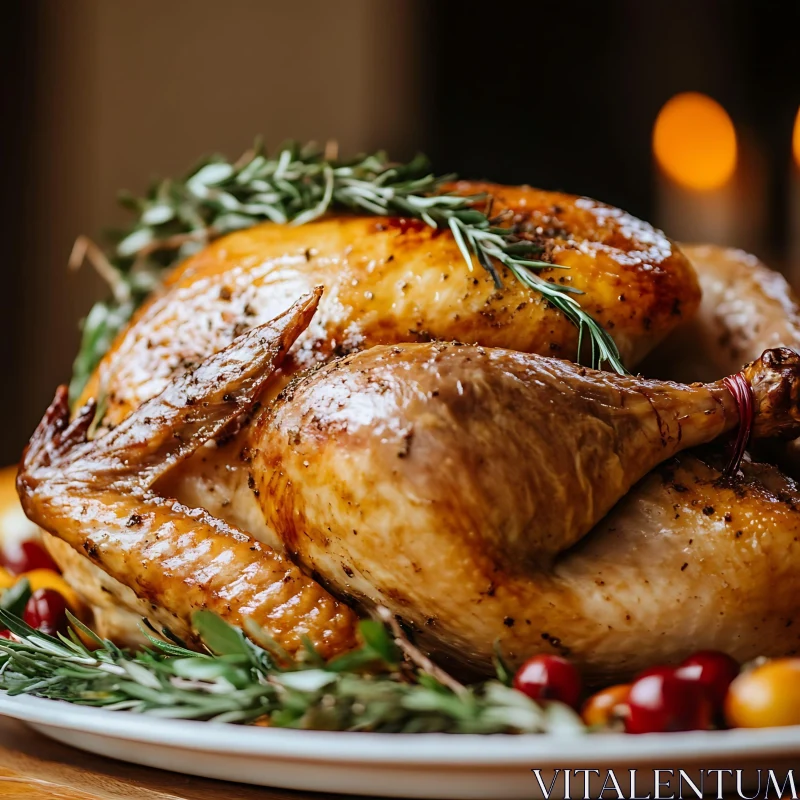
(664, 701)
(713, 670)
(549, 678)
(27, 556)
(46, 611)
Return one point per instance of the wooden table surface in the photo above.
(34, 768)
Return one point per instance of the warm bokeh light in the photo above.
(796, 139)
(694, 141)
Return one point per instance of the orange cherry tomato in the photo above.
(765, 697)
(606, 706)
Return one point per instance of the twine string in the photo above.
(742, 393)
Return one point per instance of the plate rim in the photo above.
(419, 749)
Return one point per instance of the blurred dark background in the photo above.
(102, 95)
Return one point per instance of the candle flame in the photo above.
(796, 140)
(694, 142)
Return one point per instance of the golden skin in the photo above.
(429, 478)
(449, 483)
(388, 280)
(96, 496)
(681, 562)
(686, 563)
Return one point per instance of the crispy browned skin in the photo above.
(682, 562)
(389, 280)
(453, 483)
(95, 495)
(443, 481)
(386, 281)
(685, 561)
(438, 480)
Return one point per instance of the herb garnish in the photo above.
(375, 688)
(178, 217)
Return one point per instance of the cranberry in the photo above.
(713, 670)
(662, 700)
(46, 611)
(27, 556)
(549, 678)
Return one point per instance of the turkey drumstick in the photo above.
(442, 481)
(521, 453)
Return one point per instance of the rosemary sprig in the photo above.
(370, 689)
(178, 217)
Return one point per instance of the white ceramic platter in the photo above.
(463, 767)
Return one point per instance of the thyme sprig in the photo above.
(373, 688)
(178, 217)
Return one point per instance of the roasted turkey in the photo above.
(482, 492)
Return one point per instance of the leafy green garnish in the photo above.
(234, 680)
(15, 598)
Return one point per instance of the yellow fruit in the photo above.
(14, 525)
(767, 696)
(7, 580)
(47, 579)
(605, 706)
